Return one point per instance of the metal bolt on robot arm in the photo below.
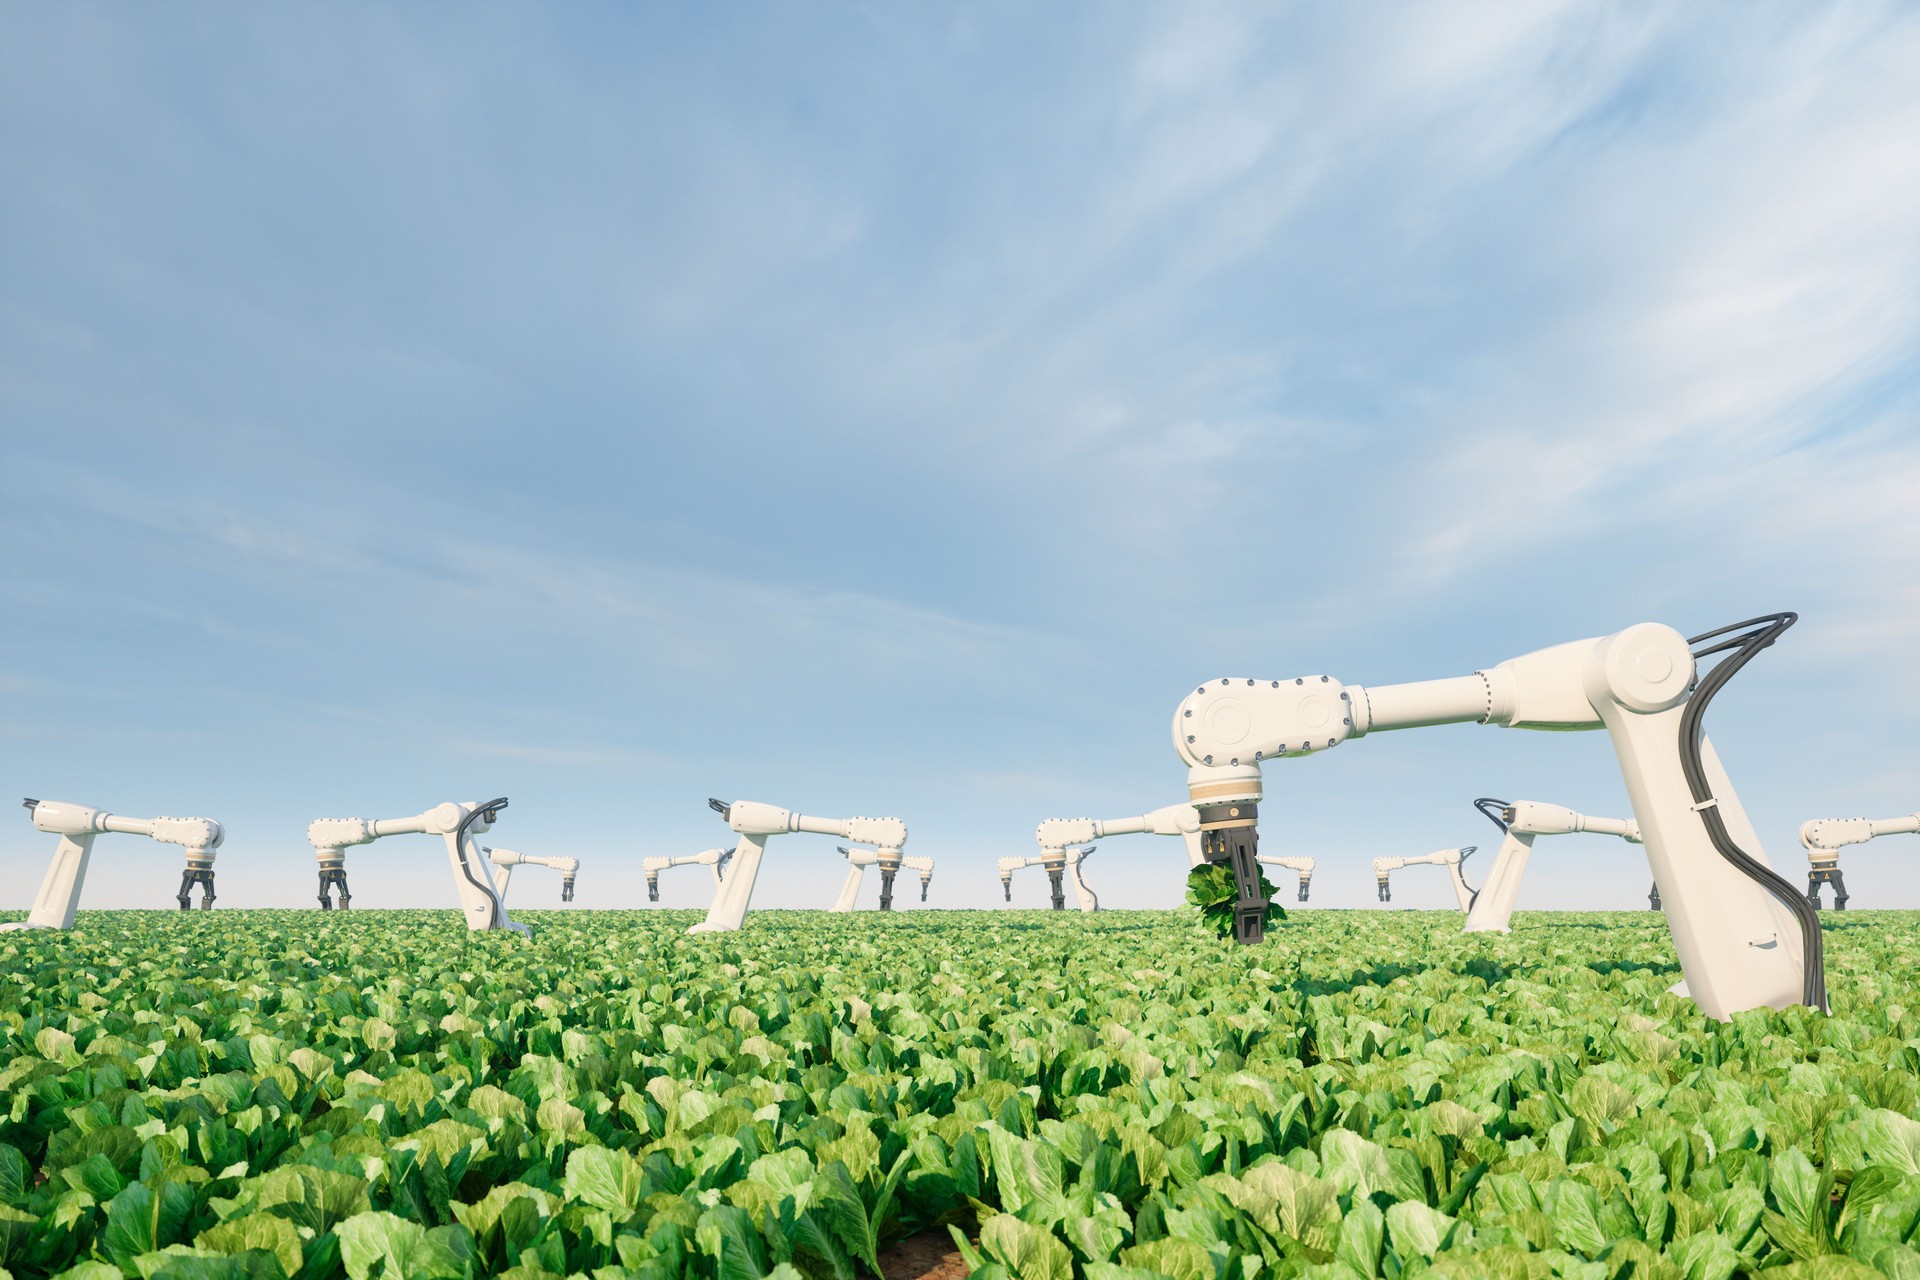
(1823, 839)
(1302, 865)
(1519, 823)
(714, 858)
(77, 825)
(507, 859)
(1173, 820)
(1057, 835)
(1061, 865)
(858, 860)
(755, 822)
(1746, 938)
(457, 823)
(1448, 858)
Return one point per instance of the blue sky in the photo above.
(895, 409)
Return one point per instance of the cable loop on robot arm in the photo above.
(1494, 811)
(1745, 640)
(488, 811)
(1760, 632)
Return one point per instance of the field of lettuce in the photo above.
(1369, 1094)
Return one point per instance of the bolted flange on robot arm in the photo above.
(1823, 838)
(1448, 858)
(1010, 865)
(1061, 863)
(889, 862)
(505, 860)
(77, 825)
(756, 823)
(714, 859)
(1746, 938)
(1057, 836)
(924, 866)
(457, 823)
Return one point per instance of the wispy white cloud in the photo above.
(883, 400)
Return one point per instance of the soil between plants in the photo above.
(927, 1256)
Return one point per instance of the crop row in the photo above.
(1365, 1095)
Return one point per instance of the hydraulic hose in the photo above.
(1493, 811)
(1080, 864)
(1745, 639)
(1473, 894)
(490, 808)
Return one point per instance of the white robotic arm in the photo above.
(77, 825)
(1448, 858)
(457, 823)
(1056, 836)
(756, 822)
(1302, 865)
(507, 859)
(1519, 823)
(922, 866)
(1062, 864)
(1173, 820)
(1823, 838)
(860, 859)
(714, 858)
(1746, 938)
(1010, 865)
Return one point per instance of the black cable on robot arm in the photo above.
(1746, 639)
(1491, 809)
(1473, 894)
(1081, 859)
(490, 808)
(1767, 627)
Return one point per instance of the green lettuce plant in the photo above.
(1212, 889)
(1371, 1095)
